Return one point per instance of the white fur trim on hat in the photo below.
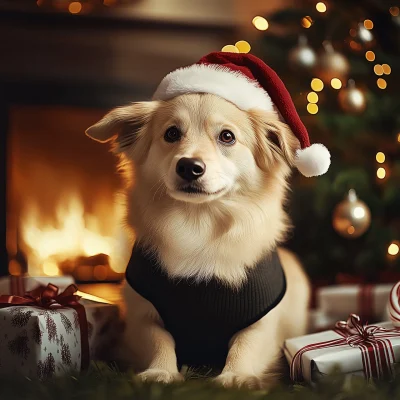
(313, 160)
(221, 81)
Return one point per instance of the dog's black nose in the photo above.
(190, 169)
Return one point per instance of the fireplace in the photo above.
(63, 205)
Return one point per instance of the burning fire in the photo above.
(74, 233)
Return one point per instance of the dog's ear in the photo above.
(280, 140)
(123, 124)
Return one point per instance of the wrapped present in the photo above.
(19, 285)
(367, 301)
(46, 333)
(353, 348)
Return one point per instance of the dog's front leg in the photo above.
(152, 347)
(253, 355)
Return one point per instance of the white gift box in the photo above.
(20, 285)
(340, 300)
(317, 362)
(41, 343)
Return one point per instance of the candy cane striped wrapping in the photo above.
(352, 346)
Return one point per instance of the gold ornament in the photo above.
(351, 99)
(302, 56)
(332, 64)
(351, 217)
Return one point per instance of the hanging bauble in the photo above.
(351, 217)
(302, 56)
(332, 64)
(352, 99)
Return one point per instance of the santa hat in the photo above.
(249, 83)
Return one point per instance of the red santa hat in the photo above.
(249, 83)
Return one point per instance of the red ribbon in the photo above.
(373, 341)
(49, 298)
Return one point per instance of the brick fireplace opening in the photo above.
(64, 211)
(64, 214)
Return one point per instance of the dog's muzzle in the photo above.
(190, 169)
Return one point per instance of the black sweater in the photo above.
(203, 316)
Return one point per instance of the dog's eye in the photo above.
(172, 134)
(227, 137)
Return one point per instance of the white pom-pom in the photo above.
(313, 161)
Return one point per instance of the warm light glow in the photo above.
(378, 69)
(381, 173)
(321, 7)
(109, 2)
(370, 55)
(368, 24)
(230, 48)
(336, 83)
(386, 69)
(350, 230)
(312, 108)
(317, 85)
(243, 46)
(14, 267)
(380, 157)
(312, 97)
(358, 212)
(260, 23)
(381, 83)
(73, 233)
(395, 11)
(398, 137)
(50, 268)
(75, 7)
(306, 22)
(393, 249)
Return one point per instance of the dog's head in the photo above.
(199, 147)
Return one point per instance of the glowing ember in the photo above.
(73, 233)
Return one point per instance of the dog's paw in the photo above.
(232, 379)
(160, 375)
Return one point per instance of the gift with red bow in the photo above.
(352, 347)
(48, 332)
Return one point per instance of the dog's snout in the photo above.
(190, 169)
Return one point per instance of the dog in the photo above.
(213, 222)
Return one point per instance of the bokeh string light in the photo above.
(321, 7)
(260, 23)
(380, 157)
(368, 24)
(393, 249)
(370, 55)
(381, 173)
(312, 108)
(336, 83)
(378, 69)
(317, 85)
(312, 97)
(382, 84)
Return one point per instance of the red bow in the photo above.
(43, 296)
(48, 297)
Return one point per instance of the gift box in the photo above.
(353, 348)
(19, 285)
(367, 301)
(46, 334)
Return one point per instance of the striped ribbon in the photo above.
(394, 305)
(373, 341)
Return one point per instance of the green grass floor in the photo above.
(105, 383)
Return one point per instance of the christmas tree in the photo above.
(340, 61)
